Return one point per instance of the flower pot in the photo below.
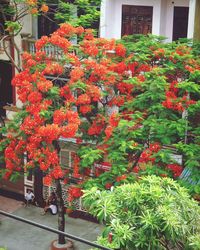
(67, 246)
(69, 210)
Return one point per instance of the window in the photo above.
(136, 19)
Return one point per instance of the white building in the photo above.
(172, 19)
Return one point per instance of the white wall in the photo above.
(191, 19)
(163, 12)
(107, 19)
(111, 16)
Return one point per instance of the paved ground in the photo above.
(9, 205)
(17, 235)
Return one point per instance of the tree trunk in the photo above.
(60, 203)
(196, 21)
(38, 187)
(61, 216)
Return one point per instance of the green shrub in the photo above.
(154, 213)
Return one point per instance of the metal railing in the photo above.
(50, 229)
(51, 51)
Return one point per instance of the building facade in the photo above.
(171, 19)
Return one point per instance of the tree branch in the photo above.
(7, 53)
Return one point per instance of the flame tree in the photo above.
(132, 99)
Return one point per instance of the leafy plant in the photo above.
(153, 213)
(80, 12)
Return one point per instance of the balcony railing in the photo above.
(53, 52)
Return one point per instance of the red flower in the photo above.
(41, 42)
(93, 92)
(30, 63)
(83, 99)
(79, 30)
(91, 50)
(49, 132)
(59, 117)
(47, 180)
(120, 178)
(136, 169)
(76, 74)
(132, 67)
(7, 175)
(125, 88)
(26, 56)
(35, 97)
(44, 86)
(120, 50)
(57, 172)
(96, 127)
(73, 117)
(69, 130)
(176, 169)
(108, 132)
(75, 192)
(168, 104)
(65, 29)
(60, 41)
(53, 68)
(89, 34)
(159, 53)
(114, 119)
(84, 109)
(108, 185)
(120, 68)
(67, 94)
(155, 147)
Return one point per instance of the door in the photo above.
(180, 23)
(6, 90)
(136, 19)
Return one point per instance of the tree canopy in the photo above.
(137, 101)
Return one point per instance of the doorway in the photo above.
(180, 22)
(6, 90)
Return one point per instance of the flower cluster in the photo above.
(74, 193)
(97, 126)
(175, 169)
(147, 156)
